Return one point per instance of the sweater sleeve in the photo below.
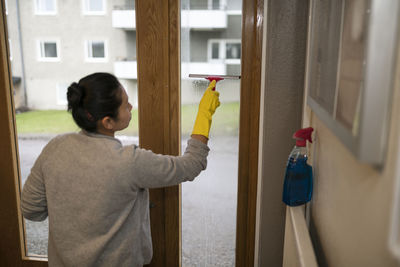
(33, 199)
(151, 170)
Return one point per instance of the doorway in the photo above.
(159, 112)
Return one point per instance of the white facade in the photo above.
(55, 43)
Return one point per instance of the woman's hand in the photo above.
(208, 104)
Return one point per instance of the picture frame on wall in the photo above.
(350, 66)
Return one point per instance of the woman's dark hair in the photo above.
(94, 97)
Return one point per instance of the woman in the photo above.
(95, 190)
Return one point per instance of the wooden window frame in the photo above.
(12, 243)
(159, 120)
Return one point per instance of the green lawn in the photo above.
(225, 121)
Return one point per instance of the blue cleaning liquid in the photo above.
(298, 185)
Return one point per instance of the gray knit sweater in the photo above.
(94, 191)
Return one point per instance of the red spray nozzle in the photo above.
(303, 135)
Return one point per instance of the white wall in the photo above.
(281, 114)
(352, 202)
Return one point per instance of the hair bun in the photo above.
(74, 96)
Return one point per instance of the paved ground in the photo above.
(208, 205)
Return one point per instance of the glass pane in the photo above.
(50, 5)
(215, 51)
(209, 202)
(233, 51)
(325, 51)
(352, 62)
(50, 50)
(39, 87)
(95, 5)
(98, 50)
(215, 4)
(45, 5)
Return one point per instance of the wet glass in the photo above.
(209, 202)
(49, 49)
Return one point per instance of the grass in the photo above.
(225, 121)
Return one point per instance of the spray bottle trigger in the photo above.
(303, 135)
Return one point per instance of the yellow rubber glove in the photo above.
(208, 104)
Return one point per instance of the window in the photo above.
(215, 50)
(45, 7)
(232, 51)
(209, 205)
(96, 51)
(48, 50)
(62, 89)
(228, 51)
(94, 7)
(217, 4)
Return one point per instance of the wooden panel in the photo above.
(173, 219)
(298, 250)
(252, 23)
(11, 242)
(158, 56)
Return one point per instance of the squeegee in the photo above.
(215, 78)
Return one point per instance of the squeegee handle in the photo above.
(214, 78)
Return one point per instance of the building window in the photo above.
(228, 51)
(62, 89)
(94, 7)
(217, 4)
(96, 51)
(232, 51)
(215, 50)
(45, 7)
(48, 50)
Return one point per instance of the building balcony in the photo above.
(124, 19)
(204, 19)
(128, 69)
(216, 68)
(125, 69)
(194, 19)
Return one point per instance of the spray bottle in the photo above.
(298, 185)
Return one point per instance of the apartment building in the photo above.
(53, 43)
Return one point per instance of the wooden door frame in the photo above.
(158, 65)
(12, 243)
(158, 42)
(158, 54)
(250, 93)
